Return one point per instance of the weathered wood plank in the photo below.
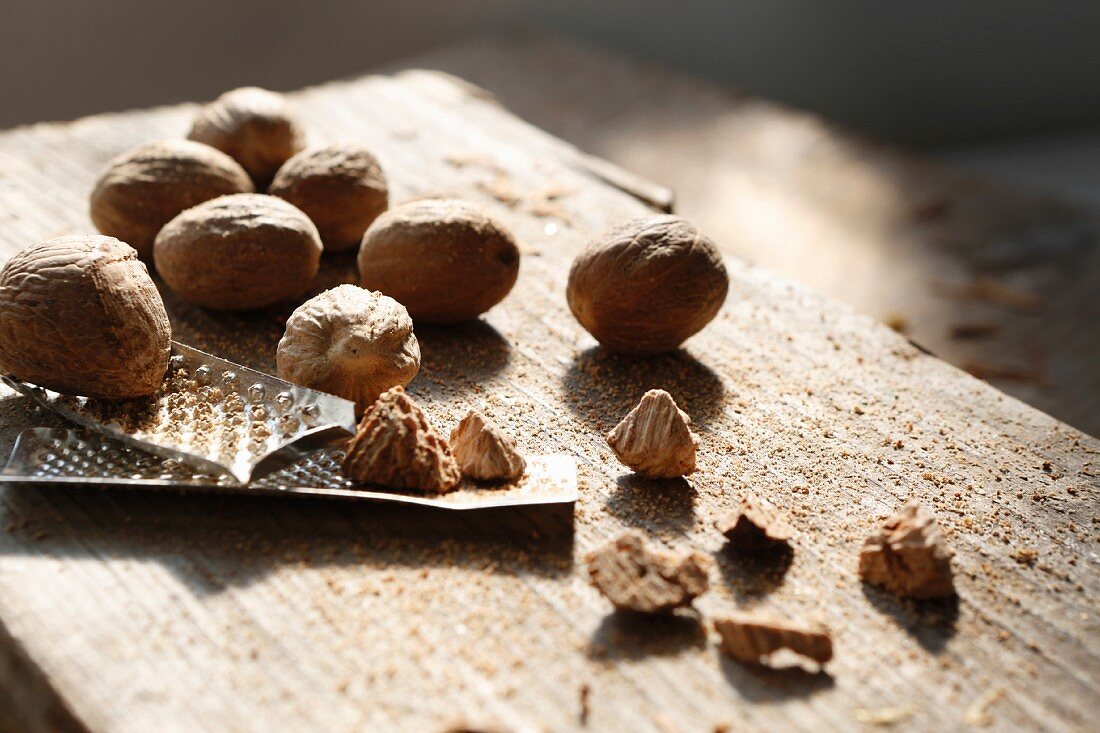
(165, 612)
(891, 233)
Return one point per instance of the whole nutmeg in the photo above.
(81, 315)
(340, 187)
(350, 342)
(645, 287)
(254, 126)
(142, 189)
(445, 260)
(238, 252)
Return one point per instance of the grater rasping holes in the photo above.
(213, 415)
(62, 457)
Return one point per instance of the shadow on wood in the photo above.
(212, 542)
(600, 387)
(656, 505)
(625, 635)
(474, 350)
(751, 576)
(931, 623)
(759, 683)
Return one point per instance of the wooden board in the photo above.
(891, 233)
(121, 611)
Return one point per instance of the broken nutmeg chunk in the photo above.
(752, 638)
(395, 446)
(655, 439)
(637, 578)
(484, 452)
(755, 525)
(908, 556)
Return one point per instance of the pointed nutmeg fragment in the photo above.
(908, 556)
(655, 439)
(635, 577)
(484, 452)
(755, 525)
(396, 446)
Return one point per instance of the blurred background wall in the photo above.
(933, 72)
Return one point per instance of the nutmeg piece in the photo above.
(144, 188)
(350, 342)
(254, 126)
(752, 638)
(484, 452)
(341, 188)
(908, 556)
(445, 260)
(635, 577)
(755, 525)
(80, 315)
(238, 252)
(647, 286)
(396, 446)
(655, 439)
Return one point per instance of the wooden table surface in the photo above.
(127, 611)
(895, 235)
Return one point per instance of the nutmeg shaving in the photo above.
(396, 446)
(637, 578)
(908, 556)
(654, 439)
(755, 525)
(752, 639)
(483, 451)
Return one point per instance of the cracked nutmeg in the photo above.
(350, 342)
(908, 556)
(396, 446)
(254, 126)
(80, 315)
(753, 638)
(635, 577)
(655, 439)
(648, 285)
(755, 525)
(484, 452)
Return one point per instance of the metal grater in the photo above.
(214, 416)
(80, 458)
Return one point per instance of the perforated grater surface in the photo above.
(214, 416)
(79, 458)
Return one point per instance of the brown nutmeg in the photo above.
(256, 127)
(144, 188)
(647, 286)
(445, 260)
(238, 252)
(81, 315)
(485, 452)
(340, 187)
(396, 446)
(350, 342)
(908, 556)
(655, 438)
(636, 577)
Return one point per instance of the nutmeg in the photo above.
(142, 189)
(340, 187)
(238, 252)
(81, 315)
(445, 260)
(655, 438)
(350, 342)
(256, 127)
(485, 452)
(645, 287)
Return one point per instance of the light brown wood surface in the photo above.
(893, 234)
(123, 611)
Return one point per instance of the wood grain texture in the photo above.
(176, 613)
(893, 234)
